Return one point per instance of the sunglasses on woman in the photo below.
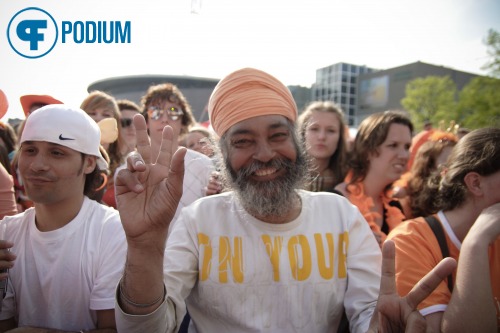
(126, 122)
(173, 113)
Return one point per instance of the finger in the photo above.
(143, 143)
(135, 162)
(416, 323)
(165, 155)
(128, 181)
(176, 172)
(430, 281)
(388, 280)
(5, 244)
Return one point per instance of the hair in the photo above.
(97, 100)
(125, 104)
(372, 132)
(4, 158)
(478, 151)
(168, 92)
(8, 136)
(338, 160)
(95, 182)
(423, 168)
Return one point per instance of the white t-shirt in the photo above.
(61, 277)
(239, 274)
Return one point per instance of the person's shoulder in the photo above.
(324, 199)
(341, 188)
(100, 212)
(412, 228)
(196, 157)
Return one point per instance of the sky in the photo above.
(290, 39)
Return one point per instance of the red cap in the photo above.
(28, 100)
(4, 104)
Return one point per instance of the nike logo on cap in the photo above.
(63, 138)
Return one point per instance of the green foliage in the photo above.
(430, 98)
(493, 48)
(479, 104)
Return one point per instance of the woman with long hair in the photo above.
(378, 158)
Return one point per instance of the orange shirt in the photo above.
(417, 252)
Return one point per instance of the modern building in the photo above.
(197, 90)
(383, 90)
(339, 83)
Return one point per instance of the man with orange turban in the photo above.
(264, 257)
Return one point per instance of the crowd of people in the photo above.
(125, 217)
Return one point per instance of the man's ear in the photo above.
(473, 182)
(90, 164)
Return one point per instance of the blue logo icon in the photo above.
(32, 32)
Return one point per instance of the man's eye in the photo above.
(241, 143)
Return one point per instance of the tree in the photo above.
(479, 103)
(431, 98)
(493, 48)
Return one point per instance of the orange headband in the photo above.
(248, 93)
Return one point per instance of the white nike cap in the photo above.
(65, 126)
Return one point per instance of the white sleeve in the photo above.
(180, 275)
(364, 260)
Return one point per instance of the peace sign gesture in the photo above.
(399, 314)
(149, 189)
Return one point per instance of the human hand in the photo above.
(214, 185)
(399, 314)
(149, 189)
(6, 258)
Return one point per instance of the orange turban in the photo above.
(248, 93)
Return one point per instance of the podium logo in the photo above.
(33, 32)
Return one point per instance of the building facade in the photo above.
(383, 90)
(339, 83)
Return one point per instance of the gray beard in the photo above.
(267, 199)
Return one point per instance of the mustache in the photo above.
(280, 163)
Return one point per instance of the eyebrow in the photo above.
(272, 126)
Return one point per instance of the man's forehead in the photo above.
(49, 144)
(265, 122)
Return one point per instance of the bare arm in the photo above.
(472, 308)
(148, 193)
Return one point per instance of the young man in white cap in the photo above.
(266, 257)
(67, 252)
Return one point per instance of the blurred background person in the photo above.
(379, 157)
(128, 110)
(200, 139)
(428, 159)
(164, 104)
(7, 195)
(322, 129)
(99, 106)
(466, 198)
